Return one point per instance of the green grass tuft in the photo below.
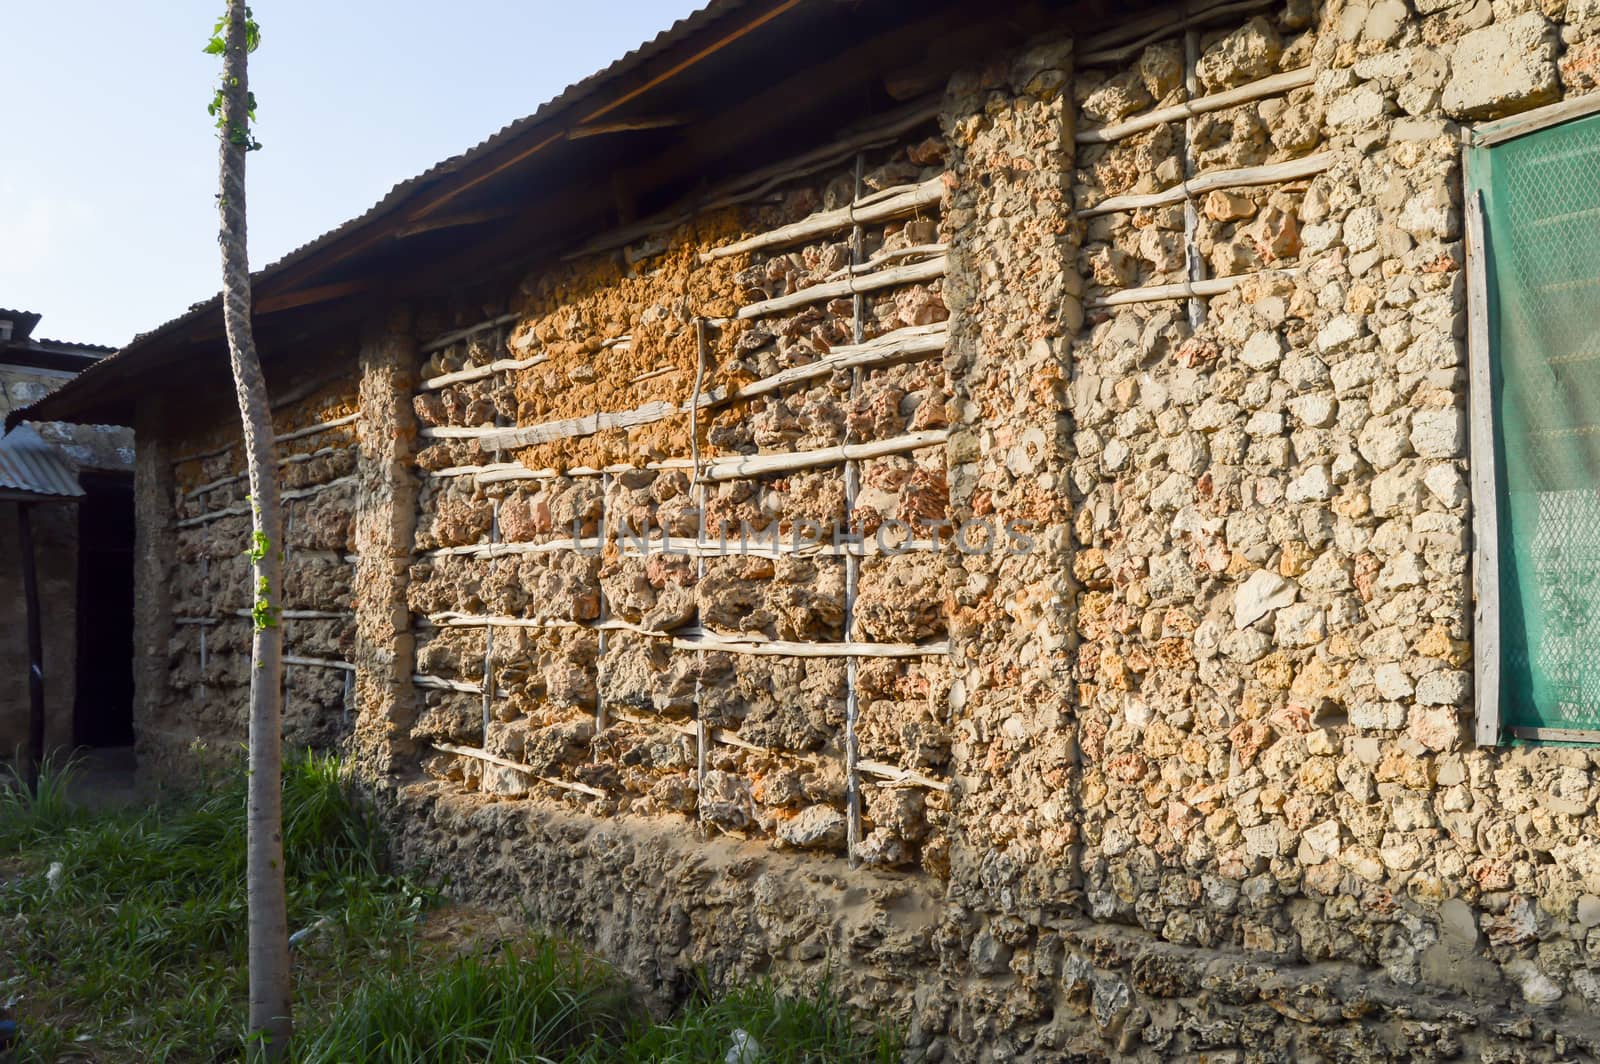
(136, 951)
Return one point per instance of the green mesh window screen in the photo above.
(1541, 214)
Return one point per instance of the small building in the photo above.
(76, 484)
(1075, 520)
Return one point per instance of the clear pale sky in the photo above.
(108, 162)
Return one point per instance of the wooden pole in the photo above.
(33, 757)
(1255, 90)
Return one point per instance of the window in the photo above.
(1533, 272)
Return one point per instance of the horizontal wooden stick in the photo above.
(901, 345)
(694, 637)
(495, 759)
(473, 373)
(500, 438)
(732, 467)
(494, 550)
(890, 203)
(888, 773)
(1163, 24)
(1181, 290)
(468, 620)
(309, 430)
(758, 183)
(628, 546)
(1243, 177)
(1504, 129)
(739, 466)
(319, 663)
(1255, 90)
(871, 282)
(893, 774)
(892, 255)
(288, 496)
(196, 620)
(781, 648)
(510, 472)
(449, 338)
(761, 547)
(293, 459)
(440, 684)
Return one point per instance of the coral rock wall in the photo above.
(654, 641)
(205, 696)
(1184, 775)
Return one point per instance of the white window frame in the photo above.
(1486, 643)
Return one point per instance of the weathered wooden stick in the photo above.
(758, 183)
(1243, 177)
(449, 338)
(739, 466)
(890, 203)
(1182, 290)
(292, 459)
(898, 346)
(243, 508)
(312, 430)
(440, 684)
(888, 773)
(592, 544)
(1255, 90)
(1169, 22)
(495, 759)
(473, 373)
(761, 547)
(1504, 129)
(892, 255)
(781, 648)
(469, 620)
(894, 774)
(901, 345)
(871, 282)
(309, 430)
(736, 466)
(498, 438)
(319, 663)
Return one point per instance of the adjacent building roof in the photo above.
(18, 346)
(30, 467)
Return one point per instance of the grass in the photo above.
(134, 949)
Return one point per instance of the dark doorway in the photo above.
(103, 712)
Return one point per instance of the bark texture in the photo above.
(270, 1023)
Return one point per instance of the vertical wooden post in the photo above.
(33, 757)
(1485, 500)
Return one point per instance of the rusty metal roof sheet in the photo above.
(30, 466)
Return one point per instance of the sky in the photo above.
(108, 160)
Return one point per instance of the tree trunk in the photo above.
(270, 1023)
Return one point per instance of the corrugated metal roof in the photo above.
(28, 464)
(574, 94)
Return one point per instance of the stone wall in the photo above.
(1184, 775)
(1290, 849)
(55, 539)
(201, 703)
(637, 665)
